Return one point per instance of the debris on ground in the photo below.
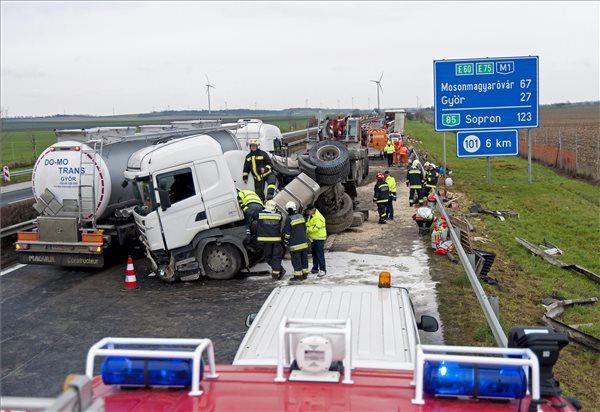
(551, 248)
(556, 308)
(551, 259)
(477, 210)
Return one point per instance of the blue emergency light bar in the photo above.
(126, 371)
(477, 381)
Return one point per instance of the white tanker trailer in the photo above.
(79, 194)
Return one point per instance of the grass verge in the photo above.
(562, 210)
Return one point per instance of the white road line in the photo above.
(12, 269)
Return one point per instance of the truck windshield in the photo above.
(142, 189)
(352, 129)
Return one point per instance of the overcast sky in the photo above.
(132, 57)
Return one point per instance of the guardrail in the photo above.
(484, 302)
(21, 172)
(19, 227)
(489, 313)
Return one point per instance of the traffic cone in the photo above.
(130, 280)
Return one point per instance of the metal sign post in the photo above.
(529, 156)
(488, 172)
(445, 167)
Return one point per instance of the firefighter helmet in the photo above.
(271, 205)
(253, 142)
(290, 205)
(426, 164)
(416, 163)
(379, 176)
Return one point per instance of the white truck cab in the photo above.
(188, 215)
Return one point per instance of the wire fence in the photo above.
(574, 149)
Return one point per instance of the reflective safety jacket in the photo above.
(294, 232)
(382, 192)
(414, 177)
(389, 148)
(391, 182)
(316, 227)
(254, 162)
(269, 226)
(245, 197)
(431, 178)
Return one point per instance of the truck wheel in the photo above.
(341, 219)
(365, 168)
(358, 178)
(221, 261)
(329, 157)
(324, 179)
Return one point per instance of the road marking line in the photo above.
(12, 269)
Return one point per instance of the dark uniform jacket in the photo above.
(294, 232)
(269, 226)
(254, 162)
(414, 177)
(431, 178)
(382, 192)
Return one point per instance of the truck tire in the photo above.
(221, 262)
(324, 179)
(307, 167)
(329, 157)
(358, 174)
(342, 219)
(365, 169)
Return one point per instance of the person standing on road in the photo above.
(389, 151)
(295, 238)
(269, 235)
(397, 146)
(258, 163)
(403, 156)
(391, 182)
(381, 196)
(251, 205)
(414, 179)
(316, 231)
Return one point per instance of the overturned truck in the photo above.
(339, 165)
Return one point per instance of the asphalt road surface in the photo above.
(14, 196)
(51, 316)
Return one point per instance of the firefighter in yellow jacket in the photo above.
(391, 182)
(316, 230)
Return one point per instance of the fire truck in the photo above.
(319, 347)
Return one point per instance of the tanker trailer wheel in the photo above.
(221, 262)
(329, 157)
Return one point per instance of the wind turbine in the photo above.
(378, 88)
(208, 86)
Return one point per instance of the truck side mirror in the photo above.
(250, 318)
(163, 196)
(428, 324)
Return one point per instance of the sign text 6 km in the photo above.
(487, 143)
(491, 93)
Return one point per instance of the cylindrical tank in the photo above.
(59, 166)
